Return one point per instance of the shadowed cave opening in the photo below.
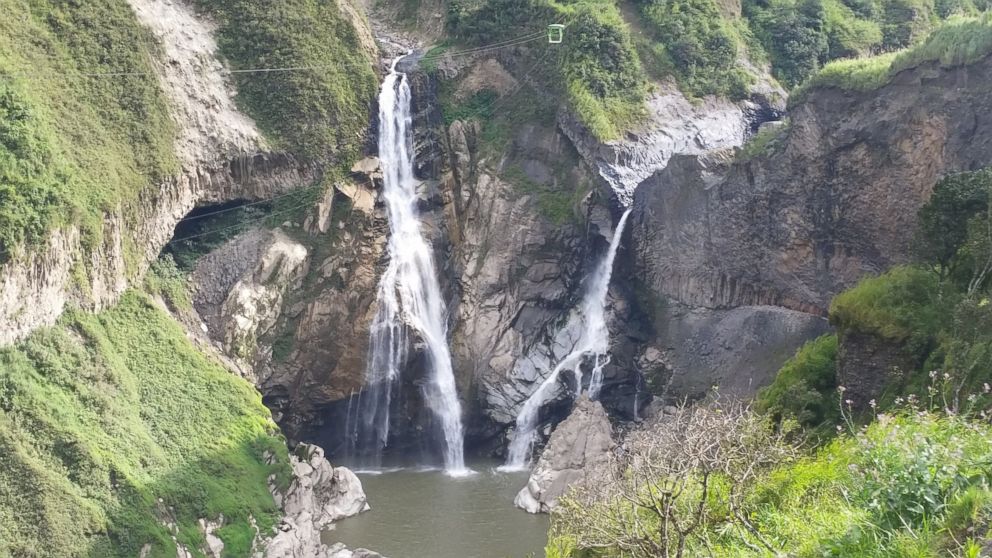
(207, 227)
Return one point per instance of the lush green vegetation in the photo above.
(321, 114)
(911, 485)
(960, 40)
(599, 72)
(73, 146)
(167, 280)
(113, 425)
(901, 305)
(698, 45)
(805, 388)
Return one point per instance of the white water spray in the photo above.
(594, 342)
(409, 296)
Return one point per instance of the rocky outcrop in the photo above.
(318, 495)
(723, 236)
(833, 199)
(868, 366)
(240, 289)
(737, 350)
(223, 158)
(673, 125)
(578, 452)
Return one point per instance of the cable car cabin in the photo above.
(556, 32)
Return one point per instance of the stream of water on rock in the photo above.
(594, 343)
(409, 301)
(427, 514)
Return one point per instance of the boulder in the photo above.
(318, 495)
(578, 452)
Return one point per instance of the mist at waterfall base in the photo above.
(410, 307)
(591, 351)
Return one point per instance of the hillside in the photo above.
(241, 241)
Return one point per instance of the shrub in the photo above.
(165, 279)
(792, 34)
(805, 387)
(902, 305)
(945, 218)
(956, 42)
(691, 472)
(598, 73)
(703, 48)
(910, 485)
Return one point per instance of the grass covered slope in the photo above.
(596, 68)
(74, 146)
(112, 425)
(912, 485)
(321, 114)
(957, 42)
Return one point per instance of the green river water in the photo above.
(424, 514)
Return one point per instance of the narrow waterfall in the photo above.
(594, 343)
(408, 298)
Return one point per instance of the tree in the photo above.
(944, 220)
(669, 482)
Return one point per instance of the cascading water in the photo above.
(594, 343)
(408, 298)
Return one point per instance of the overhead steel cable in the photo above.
(526, 38)
(242, 224)
(248, 204)
(522, 39)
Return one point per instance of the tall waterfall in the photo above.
(409, 297)
(594, 343)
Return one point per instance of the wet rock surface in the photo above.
(577, 452)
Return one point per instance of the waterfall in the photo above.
(594, 343)
(408, 297)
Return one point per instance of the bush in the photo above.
(913, 484)
(944, 220)
(165, 279)
(701, 45)
(598, 73)
(903, 305)
(956, 42)
(805, 388)
(792, 34)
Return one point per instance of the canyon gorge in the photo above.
(468, 273)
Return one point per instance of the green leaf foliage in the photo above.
(597, 71)
(74, 146)
(958, 41)
(805, 388)
(322, 114)
(703, 46)
(113, 425)
(912, 485)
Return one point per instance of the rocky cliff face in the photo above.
(223, 158)
(834, 197)
(673, 125)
